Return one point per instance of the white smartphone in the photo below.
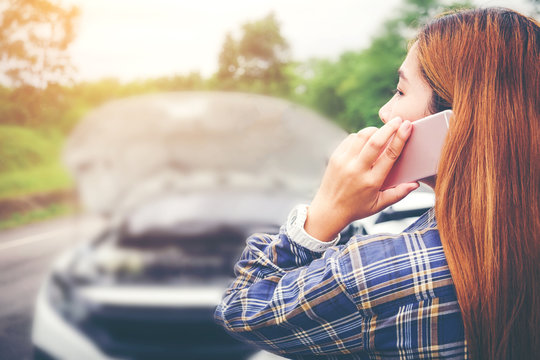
(421, 153)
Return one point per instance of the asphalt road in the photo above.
(26, 253)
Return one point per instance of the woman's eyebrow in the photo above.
(402, 75)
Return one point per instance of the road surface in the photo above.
(26, 254)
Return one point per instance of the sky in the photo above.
(135, 39)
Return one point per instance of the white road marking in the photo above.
(32, 239)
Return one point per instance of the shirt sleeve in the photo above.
(290, 300)
(380, 295)
(297, 233)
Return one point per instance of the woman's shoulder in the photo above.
(421, 235)
(390, 270)
(402, 286)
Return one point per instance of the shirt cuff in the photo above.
(295, 230)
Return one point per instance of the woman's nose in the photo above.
(384, 112)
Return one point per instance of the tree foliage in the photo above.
(352, 89)
(257, 60)
(349, 90)
(34, 37)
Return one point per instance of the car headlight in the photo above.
(62, 297)
(57, 293)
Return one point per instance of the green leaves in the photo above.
(257, 60)
(34, 35)
(352, 89)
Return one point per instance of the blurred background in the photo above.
(128, 120)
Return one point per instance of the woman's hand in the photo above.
(351, 186)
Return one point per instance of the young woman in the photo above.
(463, 281)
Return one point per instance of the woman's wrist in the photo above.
(297, 233)
(323, 225)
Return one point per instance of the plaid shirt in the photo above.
(379, 296)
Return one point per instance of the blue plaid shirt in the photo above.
(374, 297)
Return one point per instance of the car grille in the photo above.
(161, 333)
(170, 256)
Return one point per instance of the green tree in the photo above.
(257, 60)
(34, 37)
(228, 59)
(352, 89)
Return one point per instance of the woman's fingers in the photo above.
(393, 195)
(350, 188)
(391, 152)
(367, 132)
(354, 143)
(378, 141)
(343, 147)
(360, 139)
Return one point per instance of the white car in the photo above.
(226, 165)
(147, 287)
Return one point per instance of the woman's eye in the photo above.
(398, 92)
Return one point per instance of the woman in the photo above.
(463, 285)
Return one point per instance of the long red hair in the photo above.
(484, 63)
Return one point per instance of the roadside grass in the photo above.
(39, 179)
(30, 161)
(47, 212)
(30, 166)
(23, 148)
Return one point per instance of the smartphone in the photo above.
(421, 153)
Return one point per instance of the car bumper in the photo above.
(59, 339)
(117, 330)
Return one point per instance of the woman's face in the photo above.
(413, 94)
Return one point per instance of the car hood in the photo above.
(196, 140)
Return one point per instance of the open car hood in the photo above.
(131, 148)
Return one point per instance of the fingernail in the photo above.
(411, 187)
(407, 125)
